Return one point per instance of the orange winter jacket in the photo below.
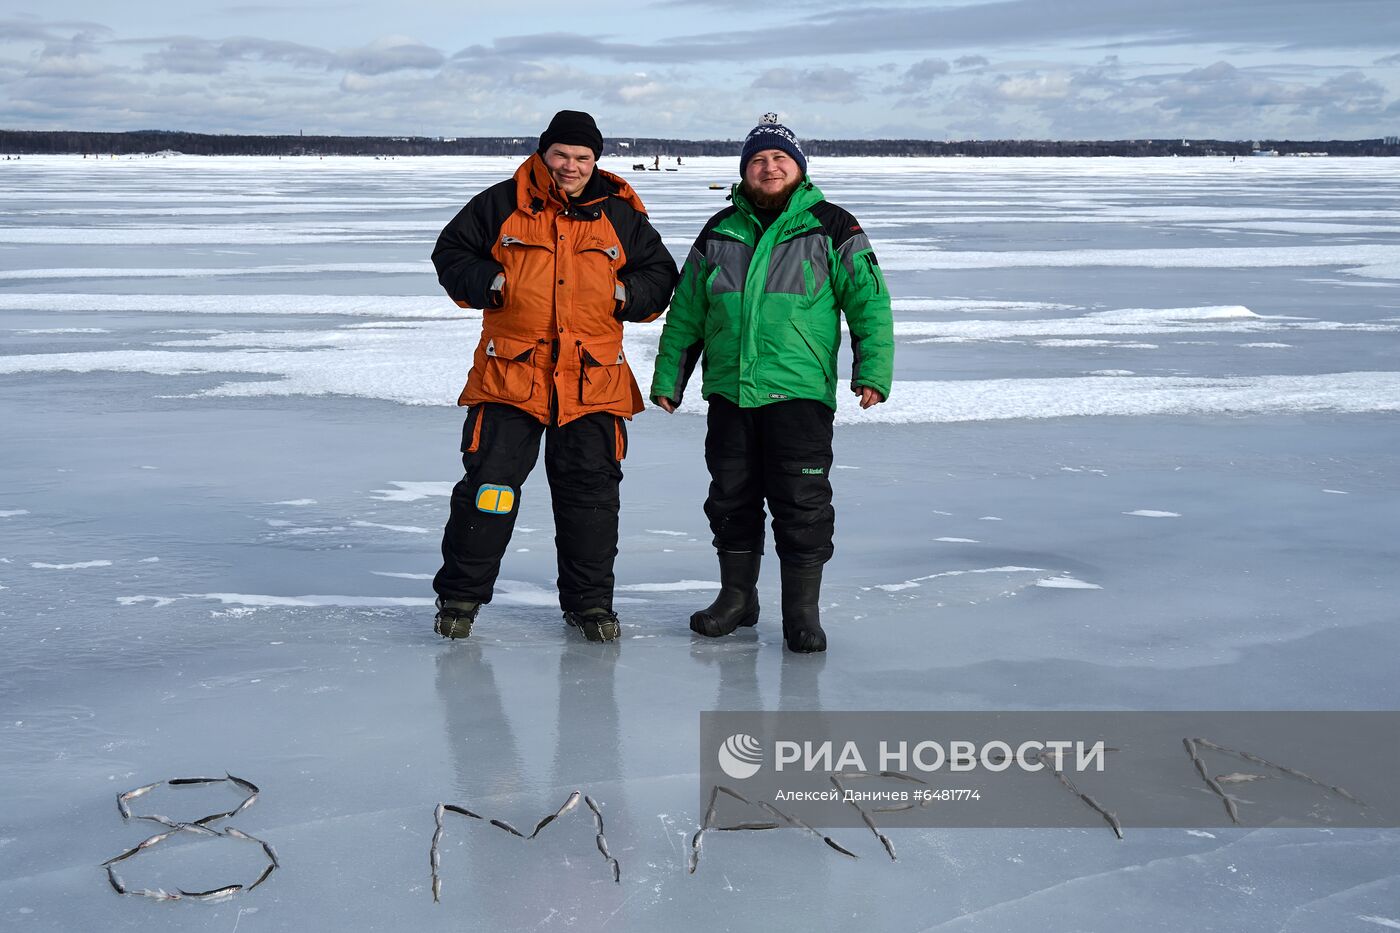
(573, 270)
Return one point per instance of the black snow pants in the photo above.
(500, 444)
(779, 452)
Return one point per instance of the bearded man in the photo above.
(760, 297)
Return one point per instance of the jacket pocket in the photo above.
(594, 244)
(873, 265)
(508, 372)
(509, 242)
(603, 379)
(527, 261)
(825, 361)
(598, 289)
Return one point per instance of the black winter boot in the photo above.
(596, 624)
(455, 617)
(802, 627)
(737, 602)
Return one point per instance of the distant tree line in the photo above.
(35, 142)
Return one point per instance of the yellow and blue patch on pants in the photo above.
(497, 500)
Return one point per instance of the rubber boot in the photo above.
(802, 627)
(596, 624)
(455, 617)
(737, 602)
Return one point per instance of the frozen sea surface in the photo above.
(1141, 454)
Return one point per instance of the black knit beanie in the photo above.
(572, 128)
(770, 134)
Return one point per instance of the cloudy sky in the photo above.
(949, 69)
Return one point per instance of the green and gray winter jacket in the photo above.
(764, 307)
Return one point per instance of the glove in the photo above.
(497, 297)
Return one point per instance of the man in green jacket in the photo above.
(761, 297)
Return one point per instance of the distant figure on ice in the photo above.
(557, 256)
(761, 296)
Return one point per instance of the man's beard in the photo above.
(770, 202)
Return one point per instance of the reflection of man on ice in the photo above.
(557, 257)
(761, 296)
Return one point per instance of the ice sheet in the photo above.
(219, 542)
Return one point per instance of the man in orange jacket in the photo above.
(557, 257)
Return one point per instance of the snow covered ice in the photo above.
(1141, 454)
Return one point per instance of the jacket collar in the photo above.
(534, 190)
(806, 195)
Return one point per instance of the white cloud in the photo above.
(391, 53)
(1055, 86)
(1006, 68)
(831, 84)
(72, 58)
(186, 55)
(920, 76)
(66, 66)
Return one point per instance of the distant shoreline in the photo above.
(148, 142)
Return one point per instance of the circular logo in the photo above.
(740, 756)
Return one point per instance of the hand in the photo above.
(868, 396)
(664, 404)
(497, 297)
